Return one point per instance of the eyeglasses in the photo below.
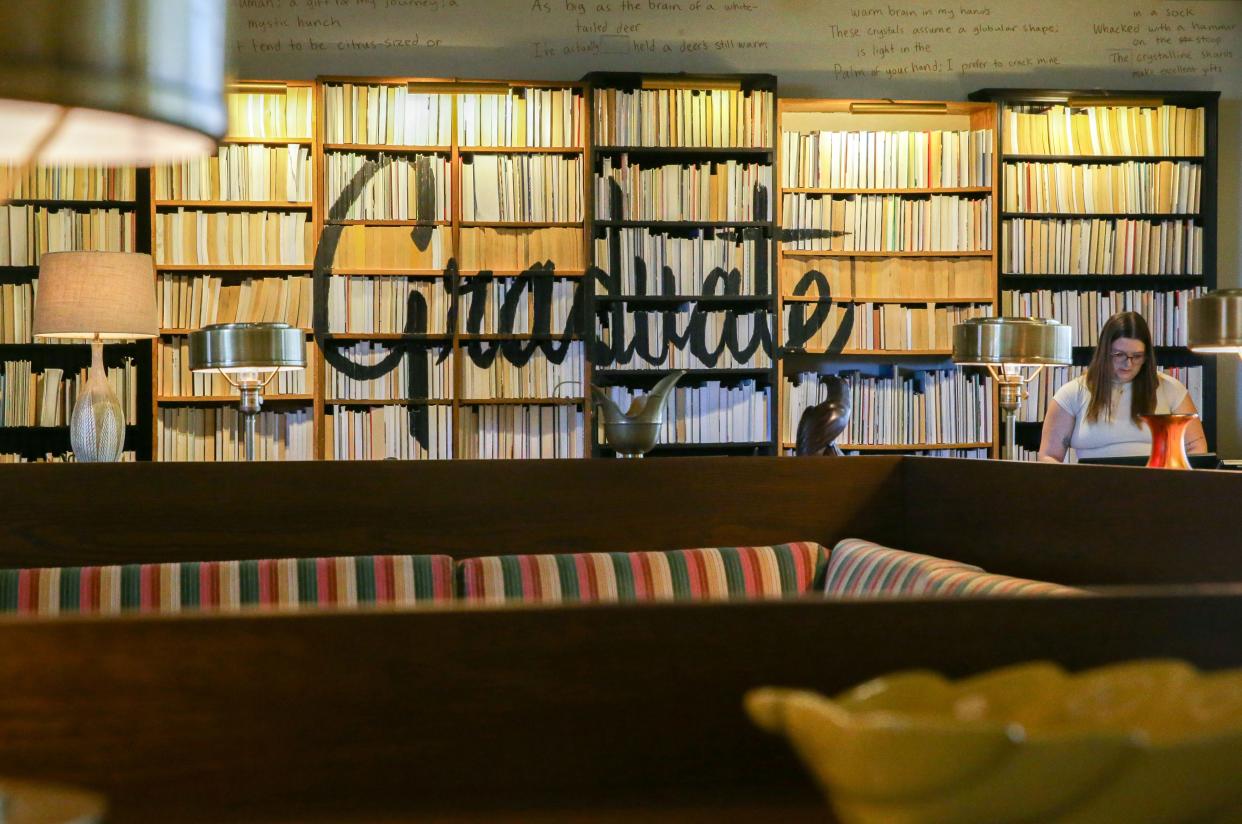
(1127, 359)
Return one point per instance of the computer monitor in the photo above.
(1203, 460)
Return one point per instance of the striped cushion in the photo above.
(858, 567)
(965, 582)
(684, 574)
(228, 585)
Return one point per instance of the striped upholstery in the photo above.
(684, 574)
(966, 582)
(228, 585)
(860, 568)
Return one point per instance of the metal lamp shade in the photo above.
(248, 347)
(125, 82)
(105, 295)
(1013, 341)
(1215, 322)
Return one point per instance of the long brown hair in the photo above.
(1100, 376)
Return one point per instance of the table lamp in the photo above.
(1007, 347)
(1214, 323)
(96, 296)
(248, 355)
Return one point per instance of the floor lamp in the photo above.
(1014, 350)
(1214, 323)
(248, 355)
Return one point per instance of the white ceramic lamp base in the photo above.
(97, 425)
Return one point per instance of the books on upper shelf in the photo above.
(540, 377)
(240, 173)
(887, 223)
(128, 456)
(380, 432)
(491, 307)
(518, 250)
(186, 236)
(17, 302)
(654, 261)
(177, 381)
(709, 413)
(926, 407)
(194, 301)
(69, 182)
(1101, 247)
(1164, 187)
(1051, 378)
(386, 115)
(383, 304)
(393, 248)
(1103, 130)
(647, 334)
(886, 159)
(271, 112)
(46, 397)
(894, 327)
(522, 188)
(863, 278)
(726, 190)
(720, 118)
(393, 187)
(190, 433)
(1086, 312)
(431, 365)
(502, 432)
(520, 117)
(29, 232)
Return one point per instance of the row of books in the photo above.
(856, 278)
(250, 172)
(191, 433)
(1101, 247)
(393, 248)
(710, 413)
(1086, 312)
(522, 188)
(890, 160)
(386, 115)
(926, 407)
(395, 384)
(187, 236)
(177, 381)
(508, 250)
(29, 232)
(1105, 130)
(69, 182)
(276, 113)
(382, 432)
(1164, 187)
(1039, 392)
(962, 454)
(719, 118)
(382, 304)
(890, 327)
(17, 302)
(47, 397)
(394, 187)
(194, 301)
(649, 335)
(655, 262)
(540, 377)
(129, 456)
(550, 118)
(711, 191)
(887, 223)
(1021, 453)
(495, 308)
(502, 432)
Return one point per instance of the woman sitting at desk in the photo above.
(1097, 414)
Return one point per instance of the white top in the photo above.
(1118, 434)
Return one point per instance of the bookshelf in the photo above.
(1108, 203)
(53, 209)
(234, 237)
(888, 224)
(683, 232)
(461, 259)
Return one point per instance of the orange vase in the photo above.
(1168, 440)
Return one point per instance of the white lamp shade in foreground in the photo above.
(87, 294)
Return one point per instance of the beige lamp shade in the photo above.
(1012, 341)
(1215, 322)
(87, 294)
(122, 82)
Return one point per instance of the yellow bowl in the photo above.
(1144, 741)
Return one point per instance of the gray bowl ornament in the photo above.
(633, 433)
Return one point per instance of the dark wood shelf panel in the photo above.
(692, 151)
(247, 205)
(521, 401)
(185, 400)
(685, 224)
(700, 448)
(388, 402)
(561, 150)
(1101, 215)
(645, 375)
(1092, 281)
(388, 222)
(386, 147)
(521, 224)
(69, 203)
(891, 190)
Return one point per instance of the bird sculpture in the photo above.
(821, 424)
(633, 433)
